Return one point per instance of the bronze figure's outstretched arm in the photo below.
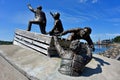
(30, 8)
(70, 31)
(52, 14)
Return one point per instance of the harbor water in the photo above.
(101, 48)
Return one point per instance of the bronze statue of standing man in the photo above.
(58, 27)
(40, 19)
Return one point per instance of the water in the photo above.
(101, 48)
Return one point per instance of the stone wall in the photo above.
(113, 52)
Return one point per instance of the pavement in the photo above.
(8, 72)
(25, 64)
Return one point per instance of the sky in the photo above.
(103, 16)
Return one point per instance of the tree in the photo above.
(116, 39)
(6, 42)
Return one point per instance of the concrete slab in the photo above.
(8, 72)
(40, 67)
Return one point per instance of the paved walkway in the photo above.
(36, 66)
(8, 72)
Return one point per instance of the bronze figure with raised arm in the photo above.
(58, 27)
(40, 19)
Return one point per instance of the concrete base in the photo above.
(36, 66)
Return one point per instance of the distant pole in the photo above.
(99, 42)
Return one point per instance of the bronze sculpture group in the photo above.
(78, 55)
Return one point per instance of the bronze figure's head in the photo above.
(39, 7)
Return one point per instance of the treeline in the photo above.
(5, 42)
(116, 39)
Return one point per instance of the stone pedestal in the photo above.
(38, 42)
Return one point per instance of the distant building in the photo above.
(106, 41)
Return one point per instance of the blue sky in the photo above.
(103, 16)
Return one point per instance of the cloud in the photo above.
(94, 1)
(115, 34)
(112, 15)
(113, 11)
(116, 24)
(83, 1)
(86, 1)
(20, 17)
(79, 15)
(103, 36)
(106, 35)
(114, 21)
(76, 18)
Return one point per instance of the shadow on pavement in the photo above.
(91, 71)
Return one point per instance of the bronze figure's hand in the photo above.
(28, 4)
